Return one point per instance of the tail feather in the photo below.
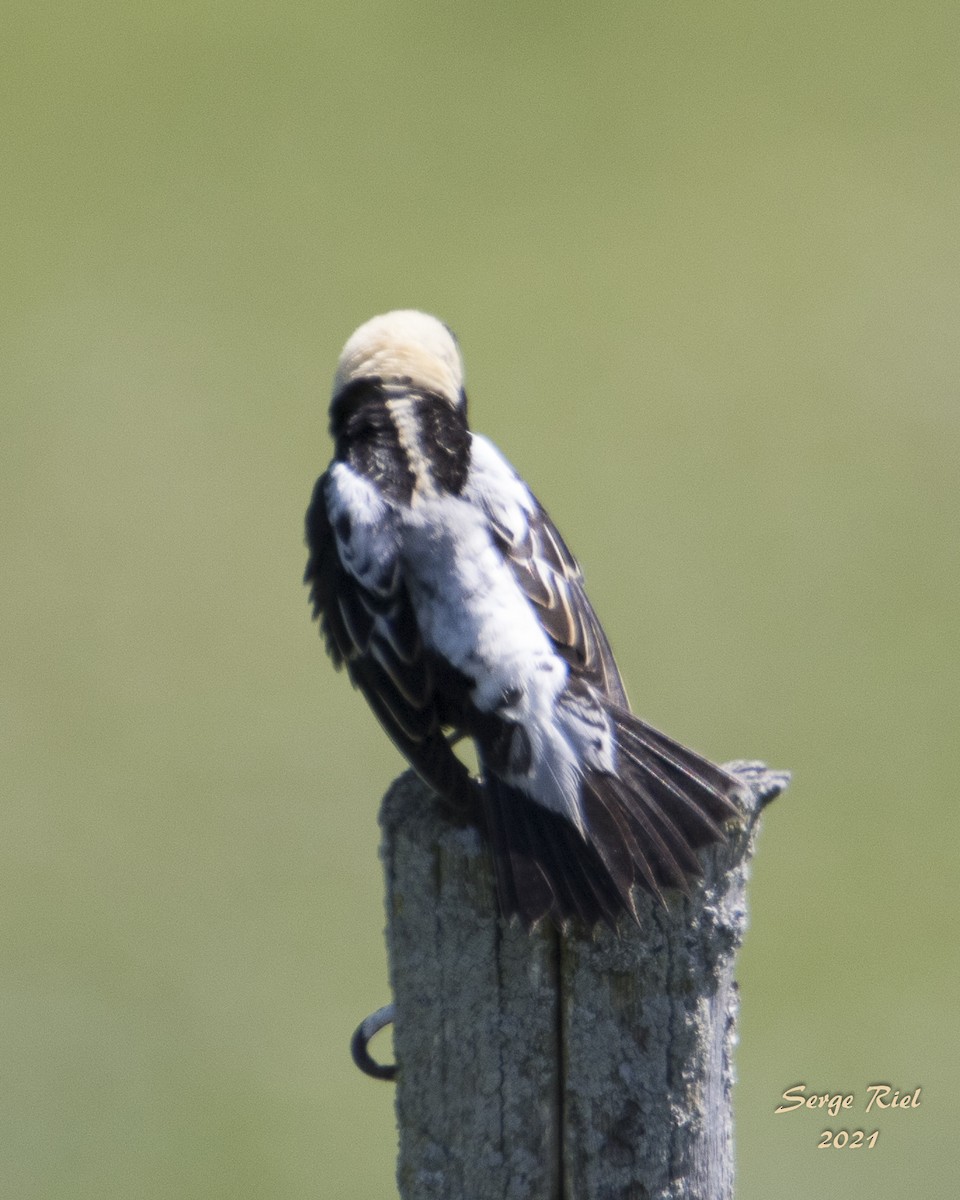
(672, 835)
(599, 798)
(613, 837)
(698, 826)
(707, 779)
(523, 885)
(544, 866)
(641, 828)
(654, 831)
(581, 889)
(694, 790)
(669, 825)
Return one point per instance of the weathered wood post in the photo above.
(555, 1067)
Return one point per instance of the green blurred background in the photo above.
(703, 261)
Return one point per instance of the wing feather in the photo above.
(544, 568)
(373, 631)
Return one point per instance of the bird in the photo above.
(448, 594)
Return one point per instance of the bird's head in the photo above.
(404, 345)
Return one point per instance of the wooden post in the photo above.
(556, 1067)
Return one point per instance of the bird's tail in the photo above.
(642, 826)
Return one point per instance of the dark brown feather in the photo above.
(544, 868)
(552, 581)
(641, 828)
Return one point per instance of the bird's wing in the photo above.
(546, 571)
(366, 617)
